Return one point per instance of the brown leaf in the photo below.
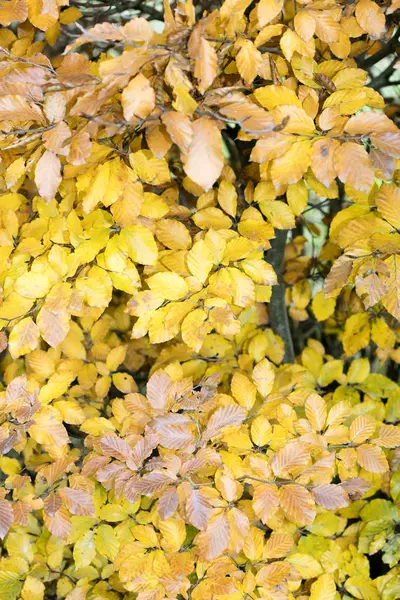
(168, 503)
(52, 504)
(60, 525)
(6, 517)
(356, 487)
(205, 150)
(79, 149)
(176, 437)
(197, 506)
(388, 142)
(55, 139)
(338, 276)
(383, 163)
(153, 483)
(330, 496)
(48, 175)
(112, 445)
(78, 502)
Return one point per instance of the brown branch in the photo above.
(278, 315)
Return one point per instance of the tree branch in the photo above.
(278, 315)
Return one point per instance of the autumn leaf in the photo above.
(205, 149)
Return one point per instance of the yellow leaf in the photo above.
(227, 197)
(316, 412)
(275, 95)
(322, 307)
(140, 244)
(356, 333)
(24, 337)
(324, 588)
(84, 550)
(243, 390)
(268, 10)
(195, 328)
(291, 166)
(297, 197)
(200, 260)
(261, 430)
(278, 213)
(248, 60)
(264, 377)
(32, 285)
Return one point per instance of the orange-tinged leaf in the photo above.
(214, 539)
(345, 157)
(388, 202)
(372, 458)
(205, 150)
(362, 428)
(206, 64)
(323, 152)
(297, 504)
(278, 545)
(180, 129)
(291, 166)
(248, 60)
(370, 18)
(289, 458)
(265, 501)
(48, 175)
(304, 24)
(138, 98)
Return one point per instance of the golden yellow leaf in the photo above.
(24, 337)
(263, 376)
(370, 17)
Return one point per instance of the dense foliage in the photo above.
(200, 303)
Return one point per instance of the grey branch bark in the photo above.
(278, 315)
